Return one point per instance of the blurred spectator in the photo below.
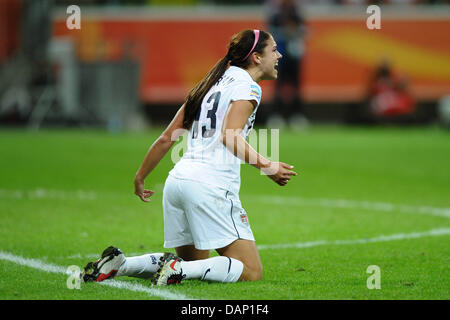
(388, 94)
(288, 28)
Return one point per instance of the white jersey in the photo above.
(207, 160)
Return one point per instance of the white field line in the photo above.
(352, 204)
(382, 238)
(41, 193)
(52, 268)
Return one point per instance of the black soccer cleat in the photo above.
(104, 268)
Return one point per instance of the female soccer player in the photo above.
(202, 210)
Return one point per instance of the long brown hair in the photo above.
(239, 46)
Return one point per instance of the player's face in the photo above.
(269, 60)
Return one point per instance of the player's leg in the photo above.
(197, 264)
(216, 220)
(238, 261)
(246, 252)
(218, 269)
(143, 266)
(113, 263)
(190, 253)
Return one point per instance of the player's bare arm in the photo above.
(156, 152)
(235, 119)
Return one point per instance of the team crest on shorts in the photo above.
(244, 218)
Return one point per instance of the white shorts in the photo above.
(203, 215)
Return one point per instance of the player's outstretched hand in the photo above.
(142, 193)
(280, 172)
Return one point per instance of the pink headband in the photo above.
(256, 32)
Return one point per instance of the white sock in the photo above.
(220, 269)
(141, 266)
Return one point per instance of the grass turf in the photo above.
(67, 194)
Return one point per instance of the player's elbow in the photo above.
(164, 140)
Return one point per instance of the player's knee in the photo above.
(256, 275)
(252, 274)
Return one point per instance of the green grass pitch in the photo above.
(363, 196)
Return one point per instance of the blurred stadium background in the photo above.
(133, 61)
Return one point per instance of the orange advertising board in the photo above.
(340, 54)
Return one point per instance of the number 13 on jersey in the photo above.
(213, 100)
